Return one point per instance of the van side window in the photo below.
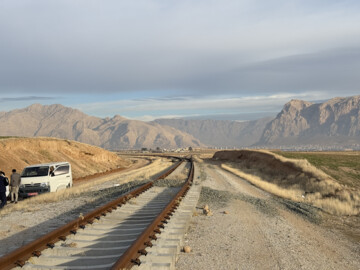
(62, 170)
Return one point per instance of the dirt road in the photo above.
(136, 163)
(260, 231)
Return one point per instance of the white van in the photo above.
(49, 177)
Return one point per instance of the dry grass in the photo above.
(344, 167)
(195, 214)
(295, 195)
(294, 179)
(71, 245)
(33, 204)
(148, 172)
(197, 159)
(179, 176)
(133, 201)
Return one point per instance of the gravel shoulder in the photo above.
(260, 231)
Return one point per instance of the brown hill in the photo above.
(122, 133)
(334, 121)
(17, 153)
(111, 133)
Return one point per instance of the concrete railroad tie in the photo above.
(165, 250)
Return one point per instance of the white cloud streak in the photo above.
(154, 108)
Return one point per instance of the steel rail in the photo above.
(19, 256)
(132, 254)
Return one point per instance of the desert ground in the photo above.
(248, 226)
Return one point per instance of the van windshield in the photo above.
(35, 171)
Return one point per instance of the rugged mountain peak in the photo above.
(38, 108)
(34, 107)
(118, 118)
(296, 104)
(342, 104)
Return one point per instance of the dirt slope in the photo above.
(295, 179)
(85, 159)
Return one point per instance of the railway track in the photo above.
(113, 236)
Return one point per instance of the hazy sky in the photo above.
(149, 59)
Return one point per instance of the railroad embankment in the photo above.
(85, 159)
(293, 179)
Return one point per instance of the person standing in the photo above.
(51, 173)
(15, 180)
(4, 182)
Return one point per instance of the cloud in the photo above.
(191, 47)
(148, 118)
(25, 98)
(196, 106)
(332, 71)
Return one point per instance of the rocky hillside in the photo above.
(220, 133)
(111, 133)
(17, 153)
(334, 121)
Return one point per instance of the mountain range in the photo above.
(110, 133)
(335, 121)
